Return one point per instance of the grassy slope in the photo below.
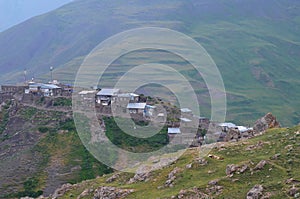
(272, 177)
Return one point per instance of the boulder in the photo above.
(85, 193)
(293, 191)
(111, 193)
(232, 135)
(243, 168)
(266, 122)
(62, 190)
(172, 177)
(113, 178)
(202, 161)
(256, 192)
(260, 165)
(139, 177)
(230, 169)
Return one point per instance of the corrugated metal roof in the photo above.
(45, 86)
(174, 131)
(108, 91)
(136, 105)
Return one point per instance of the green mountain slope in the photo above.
(197, 175)
(255, 44)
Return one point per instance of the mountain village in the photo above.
(137, 106)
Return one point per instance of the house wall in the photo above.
(13, 89)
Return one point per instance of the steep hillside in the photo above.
(270, 161)
(40, 149)
(255, 45)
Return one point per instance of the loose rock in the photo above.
(260, 165)
(256, 192)
(111, 193)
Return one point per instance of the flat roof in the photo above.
(86, 92)
(128, 95)
(136, 105)
(185, 119)
(174, 131)
(243, 128)
(108, 91)
(227, 124)
(186, 110)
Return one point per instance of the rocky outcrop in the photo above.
(61, 191)
(230, 169)
(260, 165)
(256, 192)
(85, 193)
(201, 161)
(232, 135)
(172, 177)
(111, 193)
(113, 178)
(266, 122)
(139, 177)
(293, 191)
(191, 194)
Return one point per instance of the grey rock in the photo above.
(230, 169)
(256, 192)
(266, 122)
(111, 193)
(260, 165)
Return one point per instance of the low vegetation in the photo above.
(279, 147)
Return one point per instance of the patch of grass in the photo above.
(43, 129)
(61, 101)
(123, 140)
(28, 112)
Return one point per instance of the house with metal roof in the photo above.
(44, 89)
(128, 97)
(106, 95)
(136, 108)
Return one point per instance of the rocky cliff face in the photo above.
(266, 122)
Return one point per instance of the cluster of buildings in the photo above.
(126, 102)
(53, 88)
(133, 104)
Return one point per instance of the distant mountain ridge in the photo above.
(16, 11)
(254, 43)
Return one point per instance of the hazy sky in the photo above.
(13, 12)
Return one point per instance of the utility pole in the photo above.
(51, 70)
(25, 74)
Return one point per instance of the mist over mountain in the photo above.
(255, 44)
(17, 11)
